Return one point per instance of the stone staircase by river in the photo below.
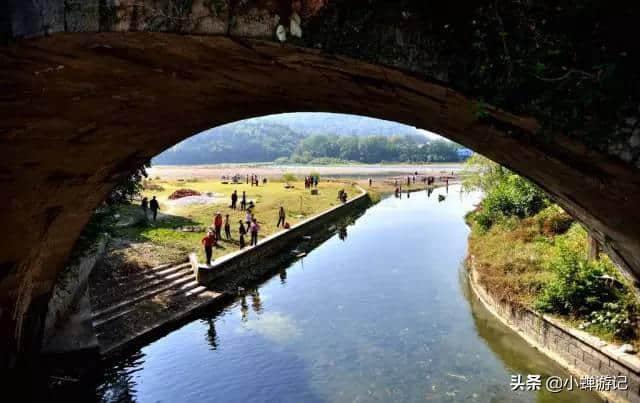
(152, 298)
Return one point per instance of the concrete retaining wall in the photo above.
(70, 288)
(579, 352)
(254, 261)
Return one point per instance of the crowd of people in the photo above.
(249, 227)
(237, 178)
(311, 181)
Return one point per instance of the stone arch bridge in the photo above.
(89, 90)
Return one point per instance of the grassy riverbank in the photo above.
(180, 226)
(542, 262)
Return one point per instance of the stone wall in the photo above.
(253, 262)
(579, 352)
(70, 287)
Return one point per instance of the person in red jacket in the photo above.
(209, 241)
(217, 224)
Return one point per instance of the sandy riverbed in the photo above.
(173, 172)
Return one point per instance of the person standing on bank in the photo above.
(227, 228)
(145, 205)
(217, 224)
(234, 199)
(242, 231)
(208, 242)
(281, 217)
(247, 219)
(154, 206)
(254, 232)
(243, 202)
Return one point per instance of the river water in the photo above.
(381, 313)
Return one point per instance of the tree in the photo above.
(130, 187)
(480, 173)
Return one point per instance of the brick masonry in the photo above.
(253, 262)
(580, 353)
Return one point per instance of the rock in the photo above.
(627, 349)
(314, 191)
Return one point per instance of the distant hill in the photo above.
(270, 137)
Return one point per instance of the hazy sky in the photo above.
(340, 120)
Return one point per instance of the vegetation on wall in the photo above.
(571, 64)
(531, 252)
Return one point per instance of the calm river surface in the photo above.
(383, 314)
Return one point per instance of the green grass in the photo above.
(298, 202)
(514, 258)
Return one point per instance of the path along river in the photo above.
(379, 312)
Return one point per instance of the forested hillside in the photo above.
(309, 138)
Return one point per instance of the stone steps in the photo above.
(154, 273)
(180, 306)
(174, 280)
(141, 284)
(157, 297)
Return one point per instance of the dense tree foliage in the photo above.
(130, 187)
(506, 194)
(245, 141)
(373, 149)
(305, 138)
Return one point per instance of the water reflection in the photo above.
(244, 308)
(518, 356)
(212, 336)
(380, 315)
(255, 300)
(342, 232)
(282, 273)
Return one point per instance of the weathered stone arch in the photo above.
(79, 111)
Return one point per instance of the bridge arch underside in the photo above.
(84, 110)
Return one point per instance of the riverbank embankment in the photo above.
(582, 354)
(171, 295)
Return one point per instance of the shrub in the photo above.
(148, 185)
(514, 196)
(180, 193)
(577, 288)
(617, 318)
(288, 177)
(553, 220)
